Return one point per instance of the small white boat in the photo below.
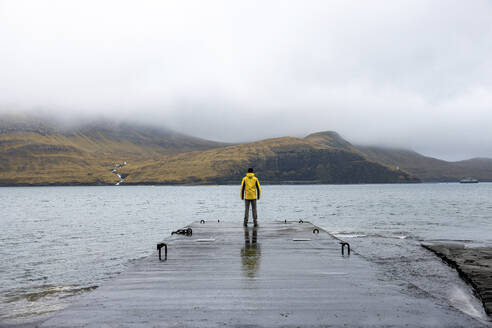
(468, 180)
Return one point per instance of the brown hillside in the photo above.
(331, 139)
(41, 153)
(275, 160)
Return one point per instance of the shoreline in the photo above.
(230, 183)
(474, 265)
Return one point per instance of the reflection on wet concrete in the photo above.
(250, 253)
(296, 285)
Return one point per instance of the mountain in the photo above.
(279, 160)
(103, 137)
(39, 151)
(427, 168)
(43, 152)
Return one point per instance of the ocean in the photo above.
(58, 243)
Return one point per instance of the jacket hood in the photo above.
(250, 175)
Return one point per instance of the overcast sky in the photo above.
(416, 74)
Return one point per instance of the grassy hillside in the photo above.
(31, 158)
(41, 153)
(275, 160)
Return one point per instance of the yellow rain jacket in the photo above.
(250, 186)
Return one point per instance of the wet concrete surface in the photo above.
(226, 275)
(473, 264)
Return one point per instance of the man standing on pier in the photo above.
(250, 192)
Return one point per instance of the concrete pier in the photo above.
(278, 275)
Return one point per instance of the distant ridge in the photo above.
(426, 168)
(430, 169)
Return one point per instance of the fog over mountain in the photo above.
(414, 74)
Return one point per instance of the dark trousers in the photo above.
(246, 210)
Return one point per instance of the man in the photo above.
(250, 188)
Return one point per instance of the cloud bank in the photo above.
(416, 74)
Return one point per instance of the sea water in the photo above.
(57, 243)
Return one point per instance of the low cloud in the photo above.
(415, 74)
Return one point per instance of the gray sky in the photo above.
(415, 73)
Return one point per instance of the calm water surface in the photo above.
(59, 242)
